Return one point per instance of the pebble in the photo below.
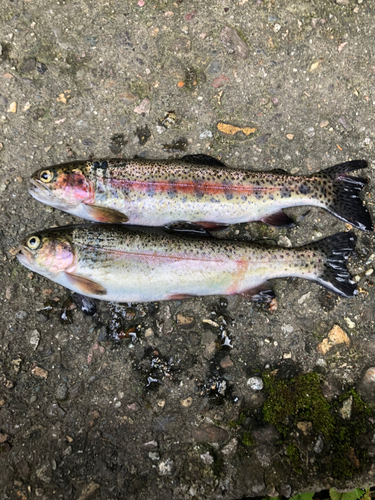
(342, 121)
(226, 362)
(309, 132)
(214, 67)
(149, 333)
(210, 434)
(284, 241)
(88, 490)
(346, 410)
(61, 392)
(290, 136)
(228, 129)
(21, 315)
(3, 437)
(324, 123)
(12, 107)
(350, 323)
(335, 336)
(150, 444)
(134, 406)
(304, 297)
(160, 129)
(205, 134)
(207, 458)
(34, 339)
(144, 107)
(185, 321)
(369, 376)
(230, 449)
(154, 455)
(305, 427)
(234, 43)
(342, 2)
(318, 446)
(255, 383)
(369, 272)
(275, 101)
(287, 328)
(39, 372)
(187, 402)
(1, 146)
(166, 467)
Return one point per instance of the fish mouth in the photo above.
(25, 257)
(43, 193)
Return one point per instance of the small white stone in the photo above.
(369, 272)
(287, 328)
(160, 129)
(207, 458)
(205, 134)
(255, 383)
(166, 467)
(34, 339)
(350, 323)
(304, 297)
(287, 355)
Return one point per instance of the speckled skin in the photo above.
(134, 266)
(160, 192)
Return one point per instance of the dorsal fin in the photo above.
(279, 171)
(202, 159)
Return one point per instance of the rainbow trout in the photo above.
(112, 262)
(198, 189)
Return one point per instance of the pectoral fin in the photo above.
(85, 285)
(260, 293)
(103, 214)
(278, 219)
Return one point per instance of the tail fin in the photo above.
(335, 275)
(345, 202)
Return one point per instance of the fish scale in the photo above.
(199, 190)
(113, 262)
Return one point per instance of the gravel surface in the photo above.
(214, 398)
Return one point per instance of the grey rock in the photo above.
(255, 383)
(214, 67)
(61, 392)
(309, 132)
(234, 43)
(318, 445)
(21, 315)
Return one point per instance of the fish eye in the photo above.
(46, 176)
(33, 242)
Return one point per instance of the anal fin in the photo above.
(260, 293)
(85, 285)
(278, 219)
(86, 304)
(212, 226)
(180, 296)
(104, 214)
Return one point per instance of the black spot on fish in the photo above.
(271, 197)
(304, 189)
(104, 164)
(229, 196)
(258, 194)
(244, 198)
(96, 164)
(285, 193)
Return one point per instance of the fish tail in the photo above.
(335, 275)
(344, 199)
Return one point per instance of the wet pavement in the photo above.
(209, 398)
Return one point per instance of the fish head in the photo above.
(63, 186)
(46, 252)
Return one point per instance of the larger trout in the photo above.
(197, 189)
(111, 262)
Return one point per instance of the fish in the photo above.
(198, 189)
(131, 264)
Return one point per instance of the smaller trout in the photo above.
(112, 262)
(196, 189)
